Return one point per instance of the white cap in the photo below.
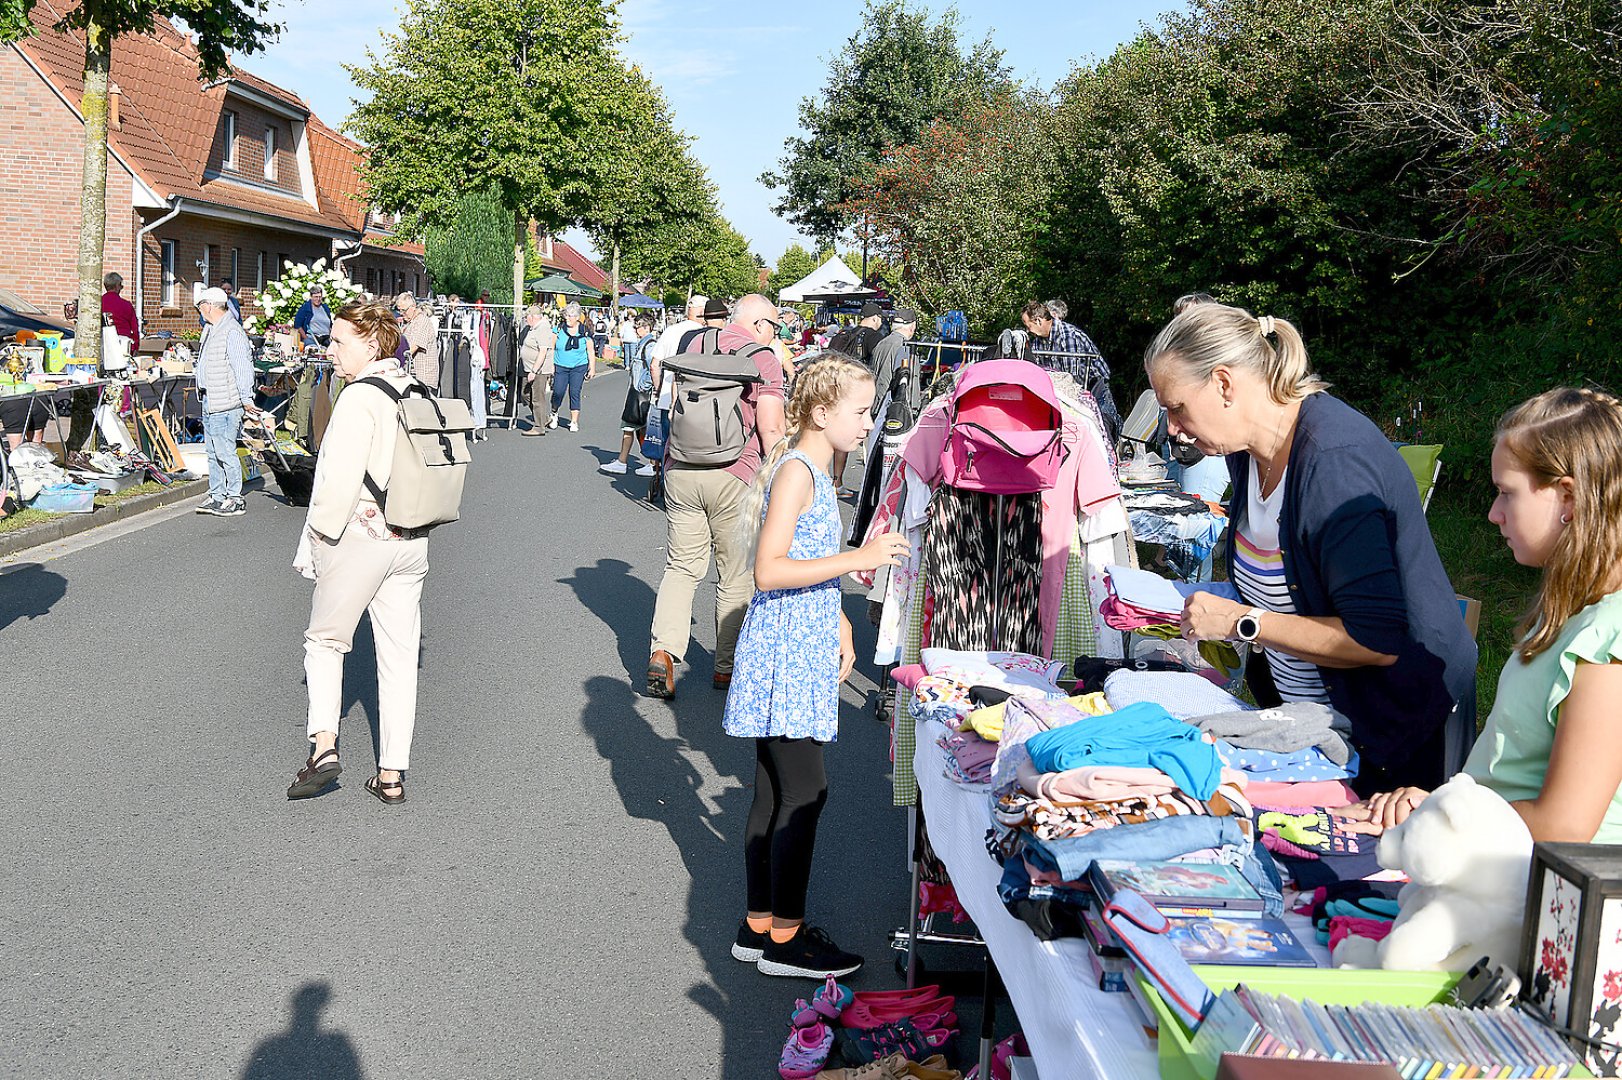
(215, 295)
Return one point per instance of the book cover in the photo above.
(1171, 884)
(1261, 942)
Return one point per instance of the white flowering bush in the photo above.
(281, 298)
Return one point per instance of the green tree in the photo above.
(959, 213)
(646, 181)
(467, 255)
(219, 27)
(901, 70)
(488, 92)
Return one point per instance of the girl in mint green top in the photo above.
(1553, 743)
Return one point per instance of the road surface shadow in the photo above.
(29, 591)
(306, 1050)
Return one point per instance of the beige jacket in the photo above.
(359, 440)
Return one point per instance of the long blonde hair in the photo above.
(1208, 336)
(1573, 433)
(825, 382)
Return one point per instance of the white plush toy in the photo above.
(1467, 854)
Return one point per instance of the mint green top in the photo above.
(1512, 755)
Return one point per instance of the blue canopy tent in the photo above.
(638, 300)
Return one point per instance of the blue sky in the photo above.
(734, 72)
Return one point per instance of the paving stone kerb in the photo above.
(49, 532)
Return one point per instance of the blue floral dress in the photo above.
(785, 679)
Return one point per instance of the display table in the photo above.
(1074, 1029)
(20, 413)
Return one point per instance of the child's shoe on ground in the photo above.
(806, 1052)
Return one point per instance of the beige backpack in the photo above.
(431, 456)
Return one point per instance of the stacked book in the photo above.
(1432, 1041)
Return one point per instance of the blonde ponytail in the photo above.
(824, 382)
(1208, 336)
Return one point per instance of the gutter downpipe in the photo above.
(140, 262)
(338, 261)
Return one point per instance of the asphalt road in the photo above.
(556, 899)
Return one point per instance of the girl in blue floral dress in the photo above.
(794, 650)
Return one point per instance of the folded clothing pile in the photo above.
(874, 1035)
(944, 692)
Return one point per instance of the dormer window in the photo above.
(270, 153)
(229, 125)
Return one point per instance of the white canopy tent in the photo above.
(832, 279)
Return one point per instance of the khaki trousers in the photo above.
(540, 398)
(705, 508)
(383, 577)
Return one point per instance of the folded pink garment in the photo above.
(971, 751)
(1305, 793)
(1342, 927)
(1104, 783)
(908, 676)
(1120, 616)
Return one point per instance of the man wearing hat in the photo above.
(859, 341)
(713, 317)
(225, 389)
(890, 354)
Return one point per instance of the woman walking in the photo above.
(574, 361)
(358, 562)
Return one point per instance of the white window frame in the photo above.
(236, 268)
(166, 271)
(270, 153)
(259, 272)
(229, 120)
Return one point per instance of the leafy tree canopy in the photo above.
(471, 252)
(221, 26)
(897, 73)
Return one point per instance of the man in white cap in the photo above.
(225, 385)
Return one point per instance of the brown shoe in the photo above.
(721, 680)
(661, 675)
(885, 1068)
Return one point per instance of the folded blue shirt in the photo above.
(1295, 766)
(1141, 735)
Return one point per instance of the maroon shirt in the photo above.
(123, 313)
(734, 339)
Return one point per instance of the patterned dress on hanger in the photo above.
(785, 679)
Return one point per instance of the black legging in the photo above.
(791, 788)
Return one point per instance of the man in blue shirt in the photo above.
(313, 322)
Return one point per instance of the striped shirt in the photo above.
(1258, 574)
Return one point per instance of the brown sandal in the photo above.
(383, 788)
(317, 773)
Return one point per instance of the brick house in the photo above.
(205, 181)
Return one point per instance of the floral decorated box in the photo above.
(1571, 952)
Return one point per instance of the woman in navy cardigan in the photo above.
(1341, 586)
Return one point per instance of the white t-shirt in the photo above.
(1258, 574)
(664, 349)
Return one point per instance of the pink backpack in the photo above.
(1005, 434)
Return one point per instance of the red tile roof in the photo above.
(582, 269)
(168, 117)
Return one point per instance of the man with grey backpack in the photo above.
(726, 411)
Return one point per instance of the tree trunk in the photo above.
(614, 283)
(520, 232)
(98, 55)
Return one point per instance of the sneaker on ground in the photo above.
(617, 468)
(211, 506)
(234, 507)
(810, 954)
(749, 945)
(552, 423)
(646, 469)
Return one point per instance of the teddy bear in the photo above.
(1467, 854)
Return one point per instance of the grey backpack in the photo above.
(706, 403)
(431, 457)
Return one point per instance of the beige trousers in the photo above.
(705, 508)
(540, 398)
(383, 577)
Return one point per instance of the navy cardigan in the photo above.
(1355, 546)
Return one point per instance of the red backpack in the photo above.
(1006, 429)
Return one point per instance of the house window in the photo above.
(270, 153)
(259, 271)
(281, 263)
(166, 266)
(230, 124)
(371, 280)
(416, 285)
(236, 268)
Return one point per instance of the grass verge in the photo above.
(27, 516)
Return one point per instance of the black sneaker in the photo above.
(215, 507)
(233, 508)
(749, 945)
(810, 954)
